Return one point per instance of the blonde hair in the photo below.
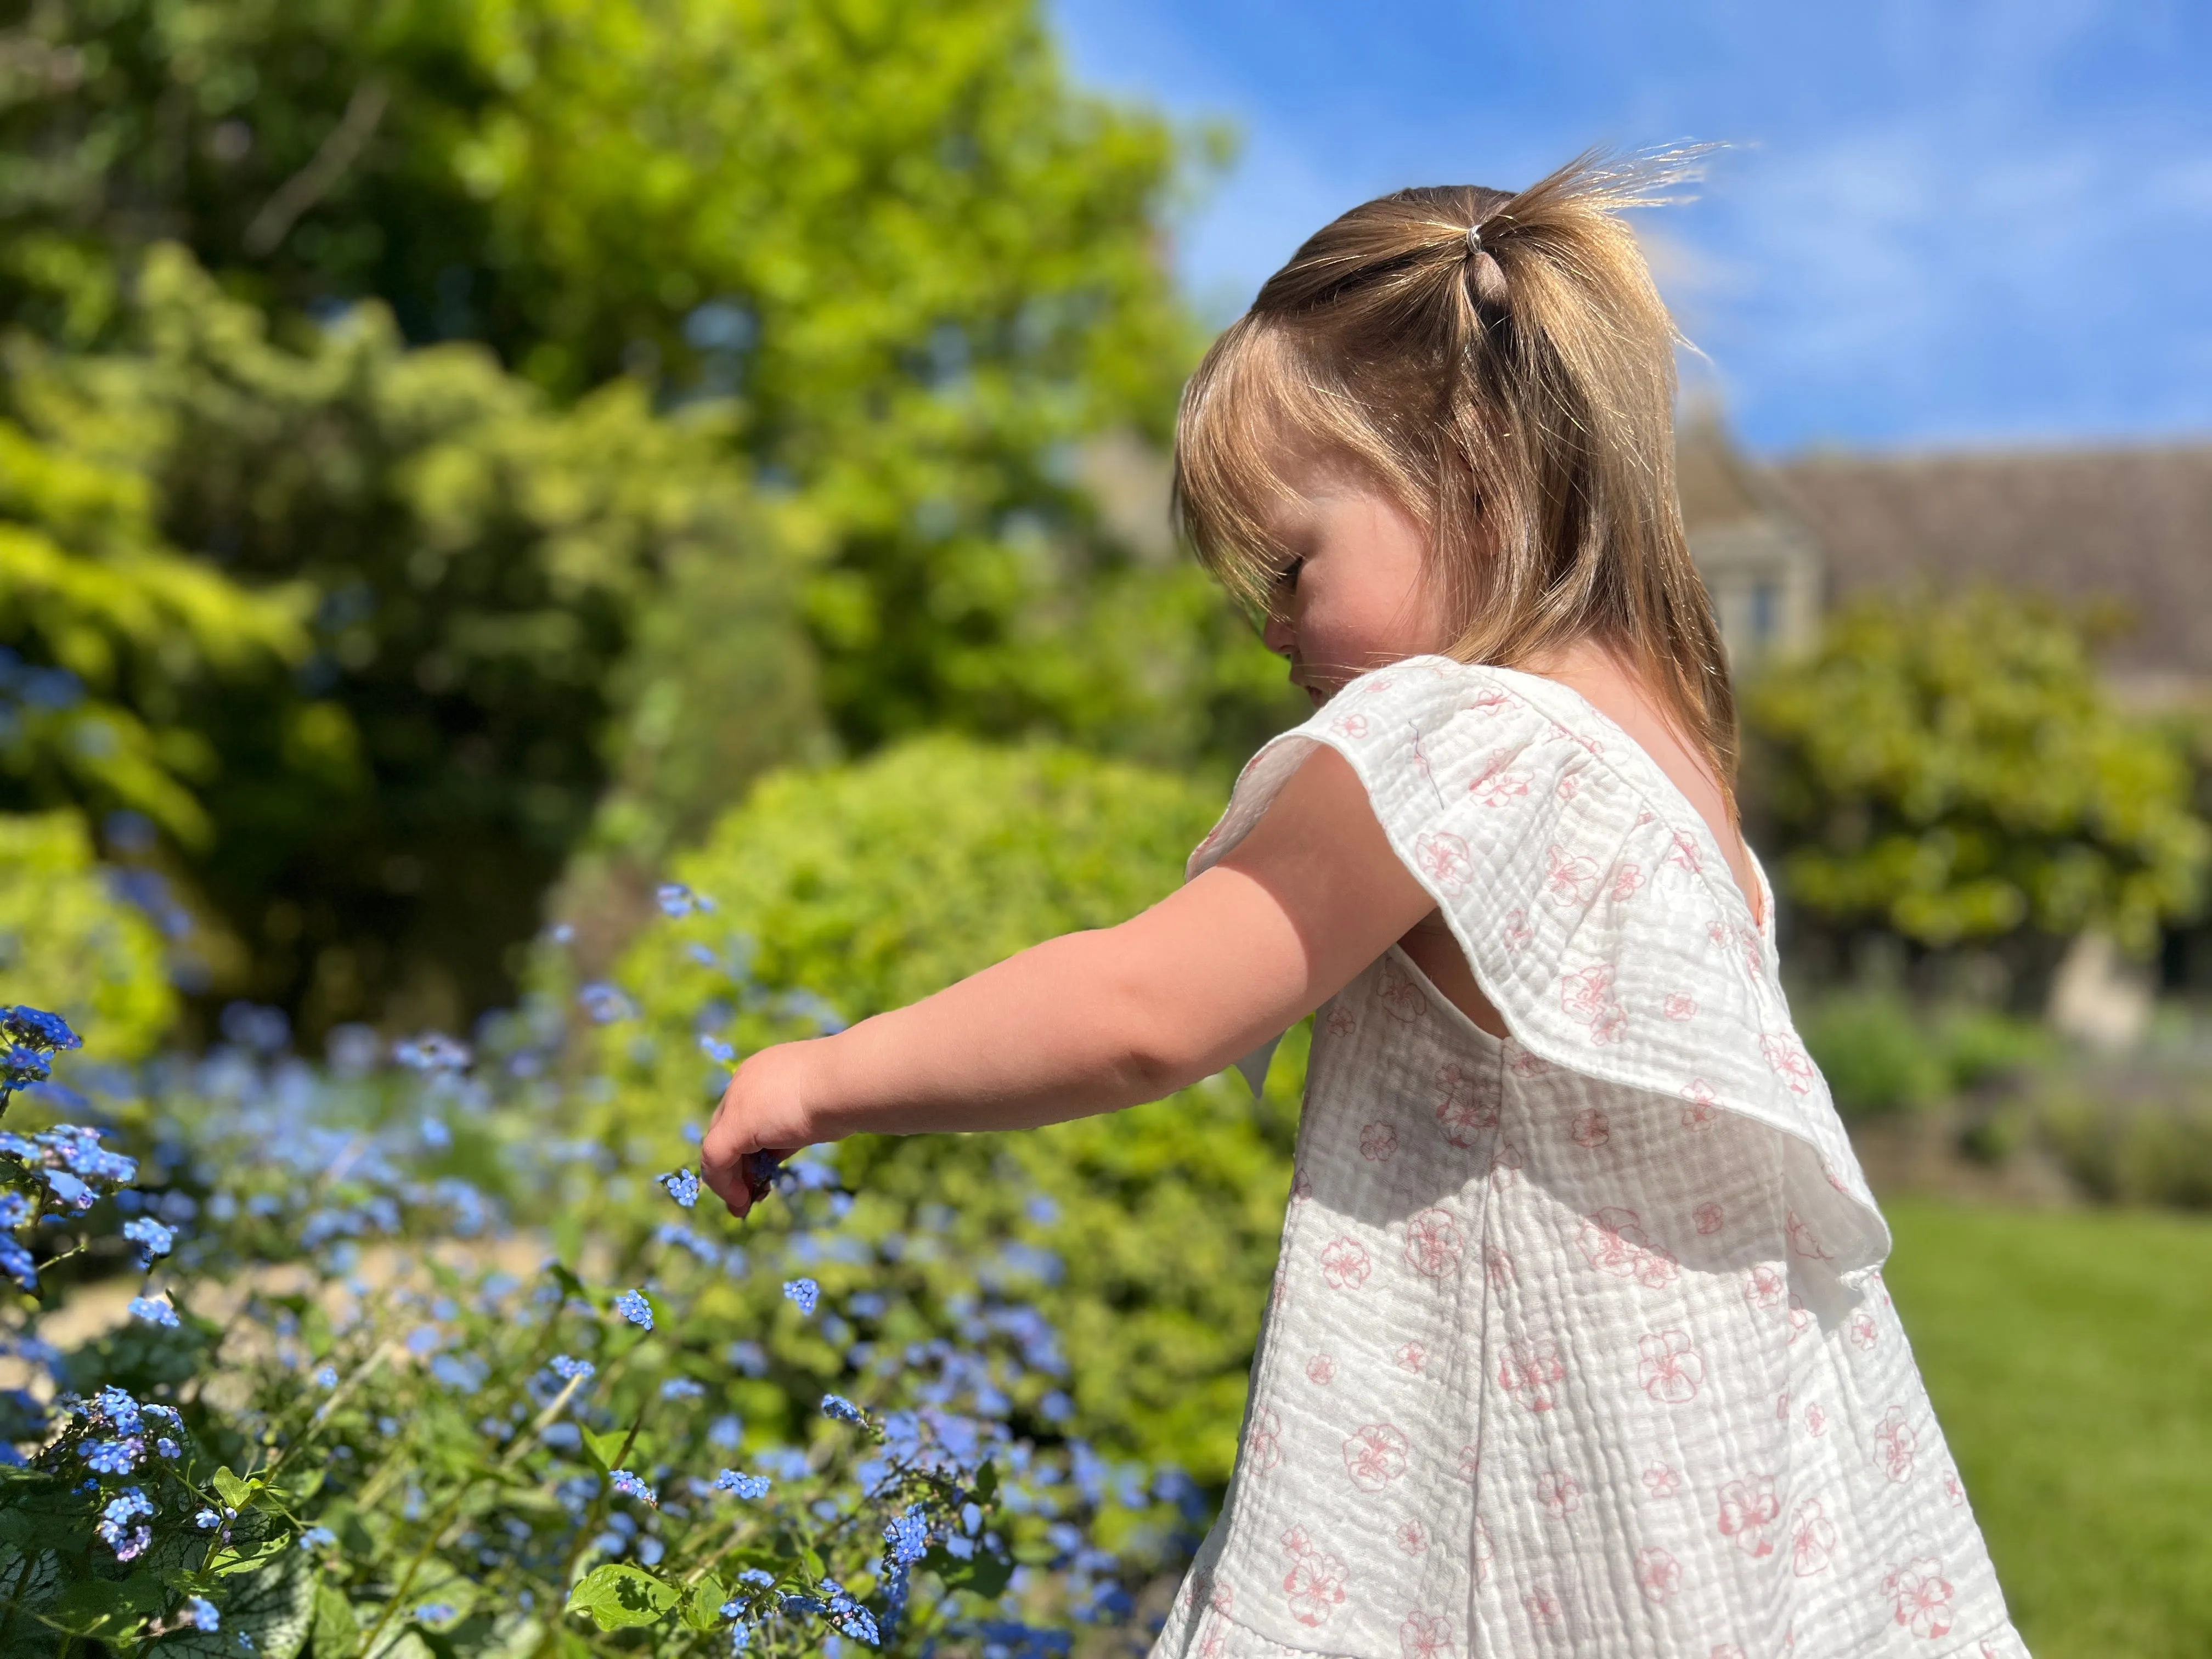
(1503, 367)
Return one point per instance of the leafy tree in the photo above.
(390, 811)
(1950, 771)
(1150, 1233)
(109, 629)
(925, 265)
(70, 940)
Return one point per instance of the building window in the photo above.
(1766, 613)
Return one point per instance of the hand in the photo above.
(762, 1111)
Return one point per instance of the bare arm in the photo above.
(1094, 1022)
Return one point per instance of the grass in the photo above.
(2070, 1358)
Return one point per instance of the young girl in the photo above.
(1578, 1343)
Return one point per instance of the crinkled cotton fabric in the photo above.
(1578, 1343)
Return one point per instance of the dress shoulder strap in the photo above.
(1592, 904)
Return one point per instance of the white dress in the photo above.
(1578, 1342)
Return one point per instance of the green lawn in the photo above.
(2070, 1358)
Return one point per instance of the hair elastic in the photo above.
(1474, 240)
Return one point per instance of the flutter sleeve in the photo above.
(1594, 906)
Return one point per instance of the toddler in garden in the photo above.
(1578, 1343)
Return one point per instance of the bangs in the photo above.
(1263, 415)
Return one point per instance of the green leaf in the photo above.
(336, 1628)
(619, 1596)
(985, 1574)
(602, 1448)
(569, 1284)
(108, 1607)
(238, 1493)
(986, 1482)
(703, 1603)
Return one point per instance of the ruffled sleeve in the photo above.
(1594, 906)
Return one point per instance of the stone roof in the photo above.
(2127, 528)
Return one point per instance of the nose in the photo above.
(1278, 635)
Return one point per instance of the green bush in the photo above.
(1150, 1236)
(1953, 772)
(1881, 1054)
(69, 943)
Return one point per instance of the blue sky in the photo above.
(1939, 224)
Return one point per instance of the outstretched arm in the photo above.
(1097, 1021)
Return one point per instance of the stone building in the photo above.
(2127, 533)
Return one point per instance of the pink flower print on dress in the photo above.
(1679, 1006)
(1352, 726)
(1802, 1239)
(1709, 1219)
(1787, 1055)
(1401, 998)
(1497, 1266)
(1558, 1493)
(1954, 1489)
(1321, 1370)
(1749, 1508)
(1812, 1539)
(1612, 1241)
(1684, 854)
(1658, 1574)
(1425, 1636)
(1470, 1462)
(1484, 1550)
(1215, 1646)
(1443, 859)
(1816, 1420)
(1728, 1650)
(1669, 1367)
(1413, 1538)
(1376, 1142)
(1314, 1586)
(1466, 1109)
(1569, 785)
(1894, 1444)
(1341, 1023)
(1591, 1129)
(1627, 881)
(1411, 1358)
(1766, 1289)
(1374, 1455)
(1662, 1481)
(1494, 786)
(1504, 1164)
(1864, 1333)
(1517, 930)
(1345, 1264)
(1544, 1607)
(1434, 1245)
(1923, 1597)
(1704, 1109)
(1782, 1407)
(1800, 1316)
(1529, 1371)
(1587, 995)
(1571, 878)
(1266, 1441)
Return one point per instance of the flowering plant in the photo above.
(359, 1406)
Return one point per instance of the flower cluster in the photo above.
(349, 1378)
